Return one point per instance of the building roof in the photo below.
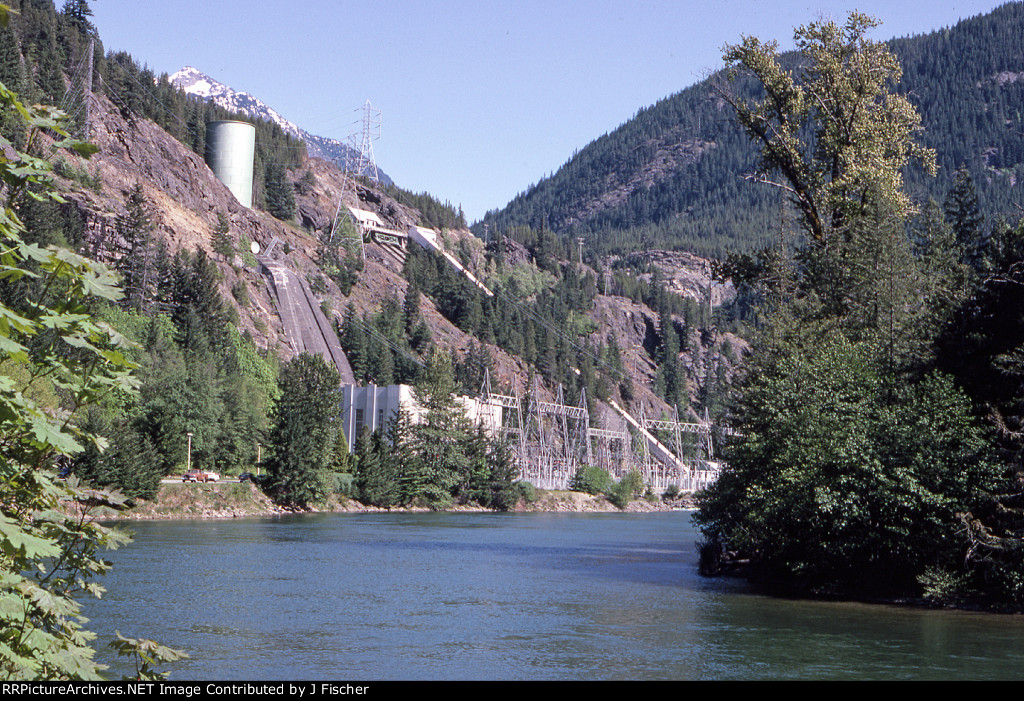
(366, 219)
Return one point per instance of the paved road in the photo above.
(177, 480)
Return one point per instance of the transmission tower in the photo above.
(362, 163)
(362, 143)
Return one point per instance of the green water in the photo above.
(504, 596)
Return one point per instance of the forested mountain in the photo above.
(208, 332)
(878, 416)
(673, 176)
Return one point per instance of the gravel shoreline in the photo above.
(232, 500)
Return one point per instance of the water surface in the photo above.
(504, 596)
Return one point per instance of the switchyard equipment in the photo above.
(552, 440)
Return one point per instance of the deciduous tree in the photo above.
(48, 553)
(860, 135)
(854, 457)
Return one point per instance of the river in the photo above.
(531, 596)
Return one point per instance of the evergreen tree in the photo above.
(280, 196)
(304, 431)
(79, 12)
(13, 76)
(983, 347)
(439, 461)
(221, 239)
(964, 216)
(376, 477)
(131, 464)
(306, 183)
(135, 230)
(198, 310)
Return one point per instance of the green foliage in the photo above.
(982, 346)
(492, 480)
(625, 490)
(837, 487)
(377, 477)
(340, 265)
(49, 535)
(240, 291)
(222, 245)
(279, 194)
(856, 459)
(703, 204)
(74, 169)
(306, 183)
(245, 250)
(438, 441)
(378, 347)
(433, 213)
(136, 264)
(527, 492)
(145, 654)
(304, 432)
(591, 479)
(862, 134)
(130, 464)
(548, 328)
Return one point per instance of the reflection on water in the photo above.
(504, 596)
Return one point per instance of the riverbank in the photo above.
(225, 500)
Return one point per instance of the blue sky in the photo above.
(479, 100)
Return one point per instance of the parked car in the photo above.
(249, 477)
(200, 476)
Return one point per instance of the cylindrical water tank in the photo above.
(230, 148)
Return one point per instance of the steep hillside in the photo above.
(673, 176)
(146, 203)
(185, 201)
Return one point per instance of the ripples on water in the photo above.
(504, 596)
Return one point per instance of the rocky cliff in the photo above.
(185, 201)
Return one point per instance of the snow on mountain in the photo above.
(195, 82)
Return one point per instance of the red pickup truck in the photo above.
(200, 476)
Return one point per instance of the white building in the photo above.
(373, 407)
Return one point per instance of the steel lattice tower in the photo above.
(362, 163)
(362, 143)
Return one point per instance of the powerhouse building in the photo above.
(373, 407)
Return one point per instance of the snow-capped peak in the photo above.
(195, 82)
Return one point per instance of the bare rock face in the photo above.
(706, 354)
(185, 201)
(515, 252)
(313, 218)
(688, 275)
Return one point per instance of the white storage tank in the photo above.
(230, 151)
